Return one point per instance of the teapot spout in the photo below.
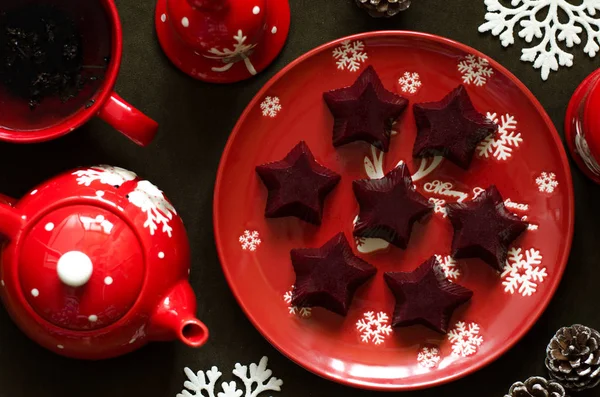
(11, 222)
(174, 318)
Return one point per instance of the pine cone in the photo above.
(536, 386)
(573, 357)
(383, 8)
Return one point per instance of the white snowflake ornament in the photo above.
(549, 21)
(350, 55)
(203, 384)
(374, 327)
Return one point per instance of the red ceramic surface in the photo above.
(96, 265)
(582, 126)
(222, 41)
(99, 24)
(525, 160)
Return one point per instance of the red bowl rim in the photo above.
(103, 92)
(563, 261)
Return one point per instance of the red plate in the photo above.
(525, 160)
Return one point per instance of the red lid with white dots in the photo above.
(81, 267)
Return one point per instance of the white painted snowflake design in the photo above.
(350, 55)
(410, 82)
(429, 357)
(253, 381)
(151, 200)
(546, 182)
(374, 327)
(250, 240)
(105, 174)
(240, 52)
(475, 70)
(465, 339)
(501, 144)
(304, 312)
(522, 274)
(549, 21)
(449, 267)
(270, 106)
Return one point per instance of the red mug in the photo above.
(99, 25)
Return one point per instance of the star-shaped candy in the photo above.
(451, 128)
(297, 185)
(389, 206)
(329, 276)
(484, 228)
(364, 111)
(425, 296)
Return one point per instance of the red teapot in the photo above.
(222, 41)
(96, 264)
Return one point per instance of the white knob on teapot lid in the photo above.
(74, 268)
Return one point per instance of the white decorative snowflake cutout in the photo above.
(158, 210)
(203, 384)
(475, 70)
(410, 82)
(449, 267)
(105, 174)
(550, 21)
(522, 274)
(240, 52)
(429, 357)
(270, 106)
(304, 312)
(465, 339)
(501, 144)
(350, 55)
(250, 240)
(374, 327)
(546, 182)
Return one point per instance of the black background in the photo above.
(195, 121)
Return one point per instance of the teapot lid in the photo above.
(81, 267)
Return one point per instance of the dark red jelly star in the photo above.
(364, 111)
(484, 228)
(329, 276)
(451, 128)
(425, 296)
(297, 185)
(389, 206)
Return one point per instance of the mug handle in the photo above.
(128, 120)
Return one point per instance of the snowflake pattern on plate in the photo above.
(410, 82)
(374, 328)
(240, 52)
(465, 339)
(521, 273)
(546, 182)
(304, 312)
(449, 267)
(203, 384)
(549, 21)
(250, 240)
(501, 144)
(475, 70)
(270, 106)
(429, 356)
(350, 55)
